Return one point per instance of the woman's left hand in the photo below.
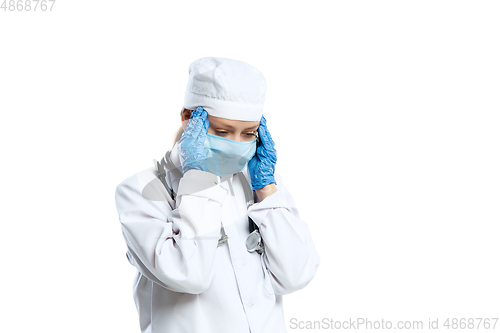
(261, 166)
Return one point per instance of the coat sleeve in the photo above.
(173, 247)
(290, 254)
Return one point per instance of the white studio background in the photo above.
(385, 116)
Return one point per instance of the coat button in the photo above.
(240, 266)
(250, 304)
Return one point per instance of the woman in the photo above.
(215, 236)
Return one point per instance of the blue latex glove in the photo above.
(192, 150)
(261, 166)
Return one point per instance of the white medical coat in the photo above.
(184, 282)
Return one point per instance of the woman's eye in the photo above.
(221, 132)
(251, 134)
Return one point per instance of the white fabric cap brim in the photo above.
(224, 108)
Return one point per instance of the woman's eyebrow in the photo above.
(252, 127)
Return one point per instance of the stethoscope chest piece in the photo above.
(254, 242)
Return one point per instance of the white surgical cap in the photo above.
(226, 88)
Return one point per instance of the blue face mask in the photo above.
(226, 157)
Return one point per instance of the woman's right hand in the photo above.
(192, 150)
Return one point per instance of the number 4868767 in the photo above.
(27, 5)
